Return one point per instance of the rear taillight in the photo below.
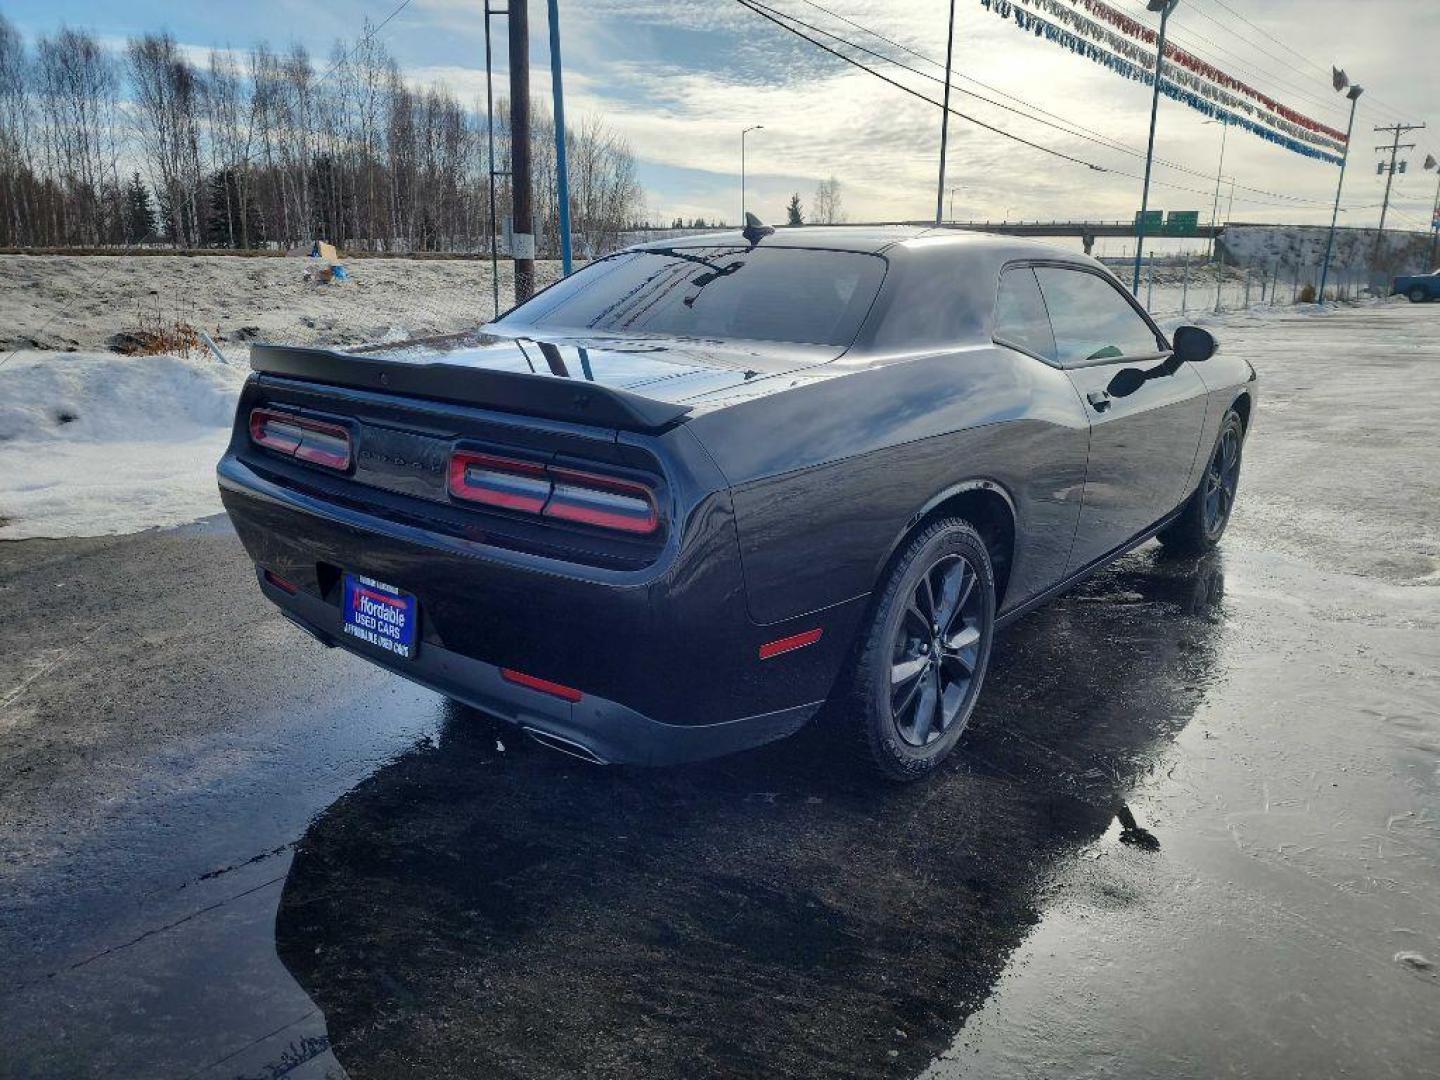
(315, 441)
(497, 481)
(604, 501)
(607, 502)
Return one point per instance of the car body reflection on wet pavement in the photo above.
(770, 915)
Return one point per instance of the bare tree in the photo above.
(17, 167)
(167, 94)
(257, 147)
(77, 83)
(827, 207)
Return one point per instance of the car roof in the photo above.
(873, 239)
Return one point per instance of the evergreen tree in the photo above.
(795, 213)
(231, 220)
(139, 212)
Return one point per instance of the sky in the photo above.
(680, 79)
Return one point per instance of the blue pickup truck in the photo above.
(1418, 287)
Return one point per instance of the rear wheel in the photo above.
(1207, 512)
(925, 651)
(1417, 295)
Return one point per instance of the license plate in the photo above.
(380, 615)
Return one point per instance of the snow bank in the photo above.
(93, 444)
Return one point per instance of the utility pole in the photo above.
(1395, 147)
(945, 119)
(1164, 7)
(1431, 163)
(522, 234)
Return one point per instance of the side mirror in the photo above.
(1193, 344)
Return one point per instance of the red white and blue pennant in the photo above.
(1187, 79)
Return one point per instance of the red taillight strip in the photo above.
(315, 441)
(508, 483)
(609, 502)
(791, 643)
(545, 686)
(606, 501)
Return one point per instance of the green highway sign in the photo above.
(1176, 223)
(1181, 222)
(1153, 221)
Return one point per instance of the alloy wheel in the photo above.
(1221, 479)
(936, 651)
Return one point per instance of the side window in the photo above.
(1020, 317)
(1091, 319)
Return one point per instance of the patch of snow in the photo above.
(93, 444)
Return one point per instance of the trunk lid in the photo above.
(629, 382)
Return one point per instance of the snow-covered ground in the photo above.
(92, 442)
(77, 302)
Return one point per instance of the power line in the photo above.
(1069, 126)
(1246, 67)
(754, 6)
(765, 14)
(1323, 69)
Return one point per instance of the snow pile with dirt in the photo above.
(79, 302)
(93, 443)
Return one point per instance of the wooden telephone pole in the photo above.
(522, 232)
(1394, 148)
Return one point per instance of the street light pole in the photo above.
(562, 173)
(756, 127)
(1164, 7)
(1220, 169)
(945, 119)
(1354, 95)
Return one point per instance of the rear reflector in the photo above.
(280, 583)
(545, 686)
(530, 487)
(790, 644)
(315, 441)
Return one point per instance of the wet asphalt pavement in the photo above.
(1193, 831)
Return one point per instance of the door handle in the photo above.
(1099, 399)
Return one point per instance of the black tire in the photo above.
(1207, 512)
(948, 562)
(1417, 295)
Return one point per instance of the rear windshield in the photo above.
(764, 294)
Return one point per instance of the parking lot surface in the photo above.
(1193, 831)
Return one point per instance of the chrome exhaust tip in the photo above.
(565, 746)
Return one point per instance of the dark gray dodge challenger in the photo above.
(679, 501)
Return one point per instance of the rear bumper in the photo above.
(593, 728)
(665, 659)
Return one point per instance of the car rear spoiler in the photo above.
(548, 396)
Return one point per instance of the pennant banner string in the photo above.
(1197, 94)
(1137, 29)
(1132, 50)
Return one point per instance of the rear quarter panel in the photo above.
(1227, 379)
(827, 478)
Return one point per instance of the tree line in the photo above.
(145, 145)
